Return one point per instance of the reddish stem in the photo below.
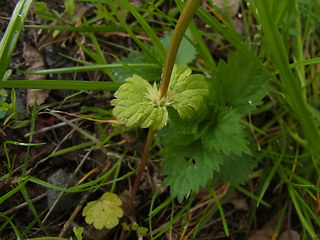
(142, 166)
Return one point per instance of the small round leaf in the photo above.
(104, 212)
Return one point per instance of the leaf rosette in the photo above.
(137, 103)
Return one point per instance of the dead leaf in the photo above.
(34, 61)
(233, 6)
(42, 96)
(267, 230)
(289, 235)
(240, 204)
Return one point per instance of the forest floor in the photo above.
(62, 121)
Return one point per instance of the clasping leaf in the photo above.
(138, 103)
(186, 92)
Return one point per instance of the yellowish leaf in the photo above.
(104, 212)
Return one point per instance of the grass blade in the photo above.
(303, 221)
(33, 209)
(150, 31)
(61, 84)
(15, 229)
(129, 30)
(12, 34)
(91, 67)
(13, 191)
(224, 222)
(291, 86)
(80, 28)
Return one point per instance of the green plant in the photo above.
(213, 136)
(45, 13)
(78, 232)
(141, 231)
(139, 104)
(104, 212)
(9, 107)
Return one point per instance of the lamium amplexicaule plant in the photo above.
(197, 119)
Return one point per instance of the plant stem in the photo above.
(181, 27)
(142, 166)
(185, 18)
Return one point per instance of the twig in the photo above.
(22, 205)
(52, 127)
(86, 118)
(80, 130)
(57, 147)
(74, 214)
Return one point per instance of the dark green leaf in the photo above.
(151, 75)
(188, 168)
(186, 53)
(236, 169)
(225, 133)
(239, 83)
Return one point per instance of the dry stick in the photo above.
(56, 148)
(22, 205)
(58, 125)
(74, 214)
(80, 130)
(181, 27)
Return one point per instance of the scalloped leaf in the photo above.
(104, 212)
(188, 168)
(138, 103)
(225, 134)
(240, 83)
(194, 150)
(186, 92)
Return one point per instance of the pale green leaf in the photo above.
(70, 7)
(43, 11)
(78, 232)
(186, 92)
(138, 103)
(104, 212)
(140, 230)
